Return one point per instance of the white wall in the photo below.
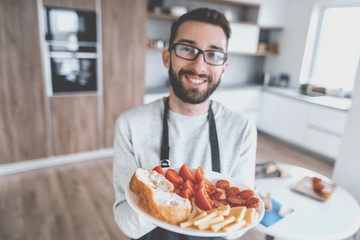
(291, 41)
(347, 166)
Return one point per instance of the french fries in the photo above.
(222, 219)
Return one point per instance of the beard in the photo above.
(191, 95)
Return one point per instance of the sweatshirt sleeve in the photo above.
(244, 167)
(124, 165)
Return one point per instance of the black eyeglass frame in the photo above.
(200, 51)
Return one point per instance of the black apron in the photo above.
(160, 233)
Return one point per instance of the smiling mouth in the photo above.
(195, 80)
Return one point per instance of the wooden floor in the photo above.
(74, 202)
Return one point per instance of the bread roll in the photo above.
(156, 197)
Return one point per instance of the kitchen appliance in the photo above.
(62, 24)
(70, 50)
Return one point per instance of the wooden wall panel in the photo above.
(75, 123)
(23, 133)
(78, 4)
(123, 36)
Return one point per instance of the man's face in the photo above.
(193, 81)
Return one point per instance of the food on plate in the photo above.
(156, 196)
(216, 227)
(238, 213)
(186, 173)
(222, 219)
(319, 186)
(171, 196)
(207, 196)
(159, 170)
(250, 215)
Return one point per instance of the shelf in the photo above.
(259, 54)
(162, 16)
(167, 16)
(271, 28)
(233, 2)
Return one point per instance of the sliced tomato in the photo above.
(199, 174)
(177, 191)
(186, 173)
(186, 193)
(174, 177)
(203, 200)
(189, 185)
(159, 170)
(206, 184)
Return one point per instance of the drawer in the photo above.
(328, 120)
(322, 143)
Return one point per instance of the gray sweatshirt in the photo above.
(137, 143)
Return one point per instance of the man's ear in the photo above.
(166, 58)
(224, 67)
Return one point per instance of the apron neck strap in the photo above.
(165, 148)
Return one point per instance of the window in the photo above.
(333, 47)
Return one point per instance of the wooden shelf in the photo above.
(173, 17)
(271, 28)
(233, 2)
(260, 54)
(162, 16)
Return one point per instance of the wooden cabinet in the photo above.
(75, 123)
(31, 123)
(23, 131)
(79, 4)
(123, 43)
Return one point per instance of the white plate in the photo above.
(213, 177)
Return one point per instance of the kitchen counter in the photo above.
(343, 104)
(339, 103)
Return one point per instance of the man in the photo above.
(187, 127)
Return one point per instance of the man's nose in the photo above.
(199, 62)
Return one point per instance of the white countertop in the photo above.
(327, 101)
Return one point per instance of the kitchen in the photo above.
(35, 126)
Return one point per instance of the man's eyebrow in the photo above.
(193, 42)
(186, 41)
(217, 48)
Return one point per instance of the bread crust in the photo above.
(148, 196)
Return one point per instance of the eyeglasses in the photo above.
(188, 52)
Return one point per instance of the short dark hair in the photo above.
(203, 15)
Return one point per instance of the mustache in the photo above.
(191, 73)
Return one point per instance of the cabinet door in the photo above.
(323, 143)
(75, 123)
(23, 125)
(244, 38)
(244, 101)
(327, 119)
(271, 13)
(123, 43)
(283, 117)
